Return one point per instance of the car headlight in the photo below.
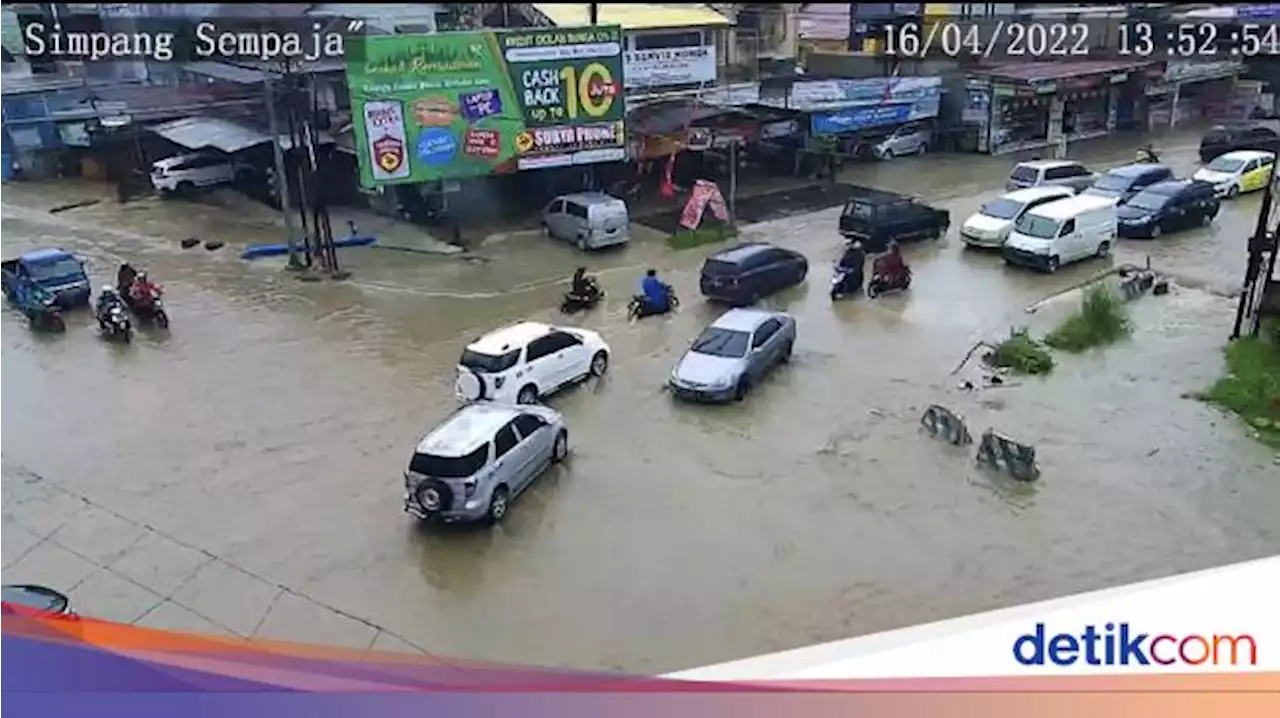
(722, 383)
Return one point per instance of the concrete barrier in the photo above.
(1002, 453)
(944, 424)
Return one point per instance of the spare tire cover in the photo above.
(469, 386)
(435, 496)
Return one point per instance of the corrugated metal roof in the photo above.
(198, 133)
(1037, 71)
(637, 16)
(225, 72)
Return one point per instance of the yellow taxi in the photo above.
(1238, 172)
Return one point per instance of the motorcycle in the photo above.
(636, 305)
(1147, 155)
(46, 318)
(115, 324)
(582, 302)
(841, 278)
(880, 283)
(149, 307)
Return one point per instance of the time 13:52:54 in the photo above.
(1199, 40)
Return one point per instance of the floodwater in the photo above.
(243, 472)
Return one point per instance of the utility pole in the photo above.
(594, 9)
(282, 177)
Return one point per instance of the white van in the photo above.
(991, 225)
(589, 220)
(1062, 232)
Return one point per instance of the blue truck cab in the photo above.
(56, 271)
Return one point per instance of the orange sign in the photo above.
(706, 194)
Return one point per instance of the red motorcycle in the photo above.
(145, 301)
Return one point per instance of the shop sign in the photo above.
(1118, 79)
(468, 104)
(977, 108)
(698, 139)
(1191, 71)
(1046, 88)
(811, 95)
(977, 83)
(852, 119)
(1004, 91)
(705, 195)
(782, 128)
(669, 66)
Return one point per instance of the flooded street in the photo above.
(243, 473)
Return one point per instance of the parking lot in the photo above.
(243, 474)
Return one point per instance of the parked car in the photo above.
(34, 601)
(876, 218)
(1238, 172)
(990, 226)
(183, 173)
(524, 362)
(733, 354)
(1062, 232)
(1168, 207)
(912, 138)
(1064, 173)
(1262, 135)
(589, 220)
(480, 459)
(1122, 183)
(751, 271)
(58, 272)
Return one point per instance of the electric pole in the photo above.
(282, 176)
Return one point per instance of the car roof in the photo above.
(587, 199)
(1169, 186)
(1045, 164)
(514, 336)
(1068, 207)
(734, 255)
(744, 319)
(175, 159)
(467, 429)
(1033, 193)
(1247, 155)
(1135, 170)
(874, 196)
(43, 255)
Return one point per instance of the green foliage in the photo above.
(1251, 388)
(707, 234)
(1102, 319)
(1021, 354)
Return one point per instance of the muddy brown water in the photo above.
(271, 426)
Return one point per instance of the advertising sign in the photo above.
(852, 119)
(454, 105)
(705, 195)
(669, 66)
(808, 96)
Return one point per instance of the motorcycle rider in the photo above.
(125, 277)
(141, 290)
(1147, 153)
(583, 288)
(852, 261)
(106, 300)
(654, 296)
(891, 266)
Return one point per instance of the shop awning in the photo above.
(225, 72)
(199, 133)
(1032, 72)
(637, 16)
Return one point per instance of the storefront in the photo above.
(1035, 105)
(1191, 91)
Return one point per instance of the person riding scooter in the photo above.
(125, 277)
(1147, 153)
(654, 296)
(889, 271)
(141, 291)
(106, 300)
(584, 288)
(852, 262)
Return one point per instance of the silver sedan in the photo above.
(733, 354)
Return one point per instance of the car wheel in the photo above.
(498, 504)
(185, 188)
(1233, 191)
(924, 148)
(527, 395)
(1206, 219)
(1156, 231)
(1103, 250)
(561, 448)
(546, 230)
(887, 156)
(599, 363)
(1053, 265)
(786, 352)
(743, 388)
(582, 244)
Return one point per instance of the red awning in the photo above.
(1031, 72)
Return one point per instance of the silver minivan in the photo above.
(912, 138)
(589, 220)
(471, 466)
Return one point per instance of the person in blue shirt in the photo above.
(655, 295)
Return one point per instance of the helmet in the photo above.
(108, 289)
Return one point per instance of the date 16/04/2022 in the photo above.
(1002, 38)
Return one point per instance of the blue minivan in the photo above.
(1124, 182)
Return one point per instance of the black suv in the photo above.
(1250, 136)
(876, 218)
(747, 272)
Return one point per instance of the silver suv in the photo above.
(912, 138)
(1038, 173)
(483, 456)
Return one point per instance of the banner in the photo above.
(852, 119)
(810, 95)
(670, 66)
(451, 105)
(705, 195)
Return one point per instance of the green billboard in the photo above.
(451, 105)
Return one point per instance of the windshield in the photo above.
(860, 210)
(1024, 174)
(1002, 209)
(450, 467)
(57, 269)
(1150, 201)
(719, 342)
(1034, 225)
(1225, 164)
(488, 362)
(1115, 183)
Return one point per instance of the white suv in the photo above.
(529, 360)
(182, 173)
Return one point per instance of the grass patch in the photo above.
(1251, 388)
(1021, 354)
(1102, 319)
(686, 239)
